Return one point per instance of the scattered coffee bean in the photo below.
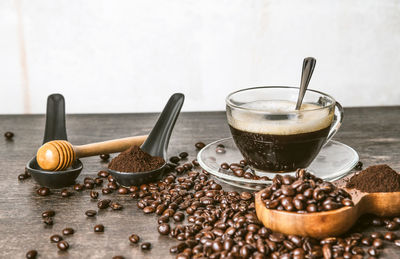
(22, 177)
(48, 213)
(31, 254)
(48, 221)
(148, 209)
(106, 191)
(390, 236)
(78, 187)
(103, 174)
(116, 206)
(220, 150)
(68, 231)
(94, 195)
(103, 204)
(377, 243)
(359, 165)
(397, 242)
(104, 157)
(392, 226)
(43, 191)
(98, 228)
(56, 238)
(98, 181)
(145, 246)
(200, 145)
(164, 229)
(8, 135)
(91, 213)
(183, 155)
(123, 190)
(65, 193)
(63, 245)
(174, 159)
(134, 238)
(118, 257)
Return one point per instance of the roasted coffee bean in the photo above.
(390, 236)
(145, 246)
(359, 165)
(48, 221)
(245, 196)
(373, 252)
(116, 206)
(118, 257)
(78, 187)
(164, 229)
(174, 159)
(123, 190)
(90, 213)
(98, 181)
(22, 177)
(375, 235)
(392, 226)
(98, 228)
(94, 195)
(220, 150)
(48, 213)
(8, 135)
(68, 231)
(397, 242)
(89, 185)
(63, 245)
(200, 145)
(377, 243)
(195, 162)
(103, 174)
(134, 239)
(65, 193)
(56, 238)
(178, 216)
(104, 157)
(112, 185)
(377, 222)
(106, 191)
(366, 241)
(103, 204)
(148, 209)
(31, 254)
(43, 191)
(183, 155)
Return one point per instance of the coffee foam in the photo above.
(260, 122)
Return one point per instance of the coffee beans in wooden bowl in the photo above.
(304, 193)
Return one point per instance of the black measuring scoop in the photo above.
(55, 130)
(156, 144)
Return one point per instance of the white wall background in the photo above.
(130, 55)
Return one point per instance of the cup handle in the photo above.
(337, 121)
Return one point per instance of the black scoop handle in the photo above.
(156, 143)
(55, 119)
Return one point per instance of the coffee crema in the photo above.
(272, 136)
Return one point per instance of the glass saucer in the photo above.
(333, 162)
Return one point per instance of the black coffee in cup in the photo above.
(273, 137)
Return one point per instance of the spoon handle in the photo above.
(308, 69)
(108, 147)
(157, 142)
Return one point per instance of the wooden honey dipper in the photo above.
(58, 155)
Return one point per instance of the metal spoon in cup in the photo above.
(307, 71)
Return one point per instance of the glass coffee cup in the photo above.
(274, 137)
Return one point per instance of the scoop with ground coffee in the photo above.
(135, 160)
(376, 178)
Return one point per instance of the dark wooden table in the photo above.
(373, 132)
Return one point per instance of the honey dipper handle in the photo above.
(108, 147)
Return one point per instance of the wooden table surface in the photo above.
(373, 132)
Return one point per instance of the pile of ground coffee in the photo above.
(135, 160)
(376, 178)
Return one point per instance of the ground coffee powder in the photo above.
(376, 178)
(135, 160)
